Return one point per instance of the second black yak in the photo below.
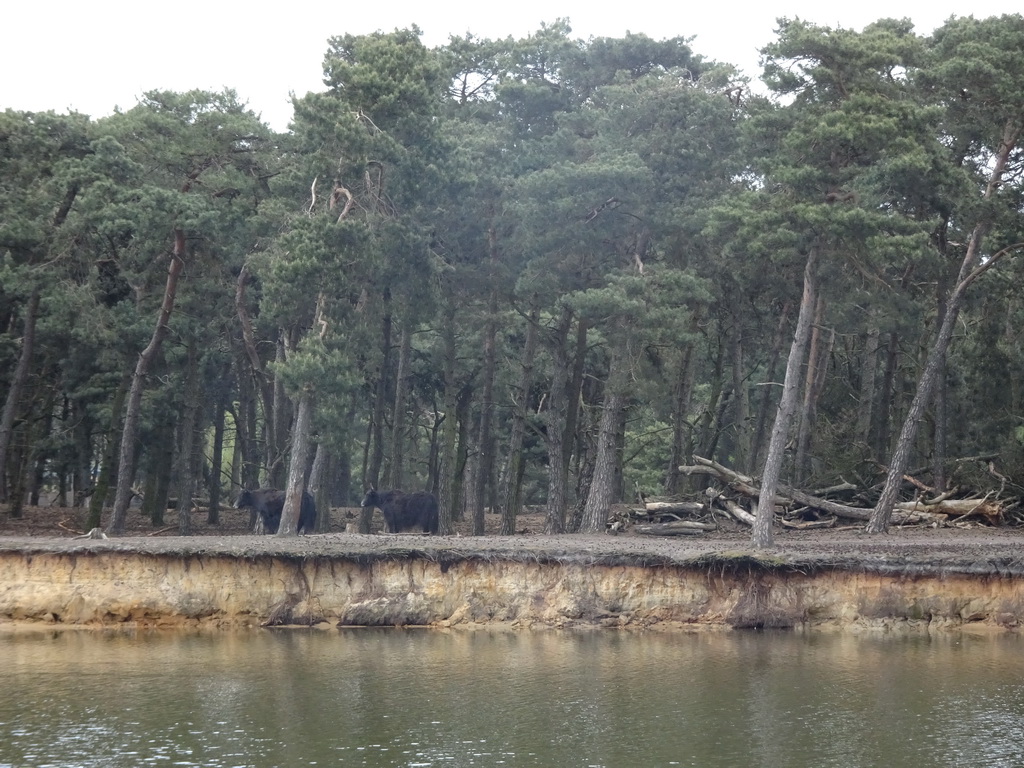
(269, 503)
(405, 511)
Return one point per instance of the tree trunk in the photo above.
(277, 422)
(133, 413)
(682, 393)
(246, 429)
(319, 489)
(64, 457)
(574, 442)
(707, 439)
(395, 476)
(608, 460)
(19, 467)
(18, 381)
(187, 441)
(512, 491)
(740, 400)
(463, 409)
(159, 468)
(682, 397)
(84, 432)
(257, 373)
(375, 458)
(217, 460)
(939, 411)
(768, 385)
(555, 418)
(434, 453)
(153, 502)
(21, 370)
(450, 425)
(865, 408)
(814, 384)
(485, 441)
(301, 447)
(887, 396)
(339, 481)
(235, 470)
(971, 268)
(40, 455)
(762, 530)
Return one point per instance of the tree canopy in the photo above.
(541, 271)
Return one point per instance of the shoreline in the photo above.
(911, 579)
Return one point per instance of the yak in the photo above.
(405, 511)
(269, 503)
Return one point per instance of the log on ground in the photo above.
(680, 528)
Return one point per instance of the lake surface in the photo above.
(371, 697)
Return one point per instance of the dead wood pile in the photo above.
(735, 496)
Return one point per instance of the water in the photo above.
(420, 698)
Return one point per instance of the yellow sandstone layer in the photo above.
(113, 586)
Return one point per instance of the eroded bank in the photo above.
(356, 581)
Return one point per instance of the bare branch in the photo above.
(338, 193)
(312, 194)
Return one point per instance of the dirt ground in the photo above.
(66, 521)
(977, 548)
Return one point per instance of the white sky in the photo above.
(95, 55)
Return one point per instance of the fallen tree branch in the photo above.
(738, 512)
(785, 496)
(809, 524)
(681, 528)
(60, 524)
(654, 508)
(958, 508)
(841, 487)
(95, 533)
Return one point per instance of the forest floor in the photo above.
(976, 549)
(67, 521)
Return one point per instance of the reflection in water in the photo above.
(363, 697)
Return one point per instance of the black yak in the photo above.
(269, 503)
(405, 511)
